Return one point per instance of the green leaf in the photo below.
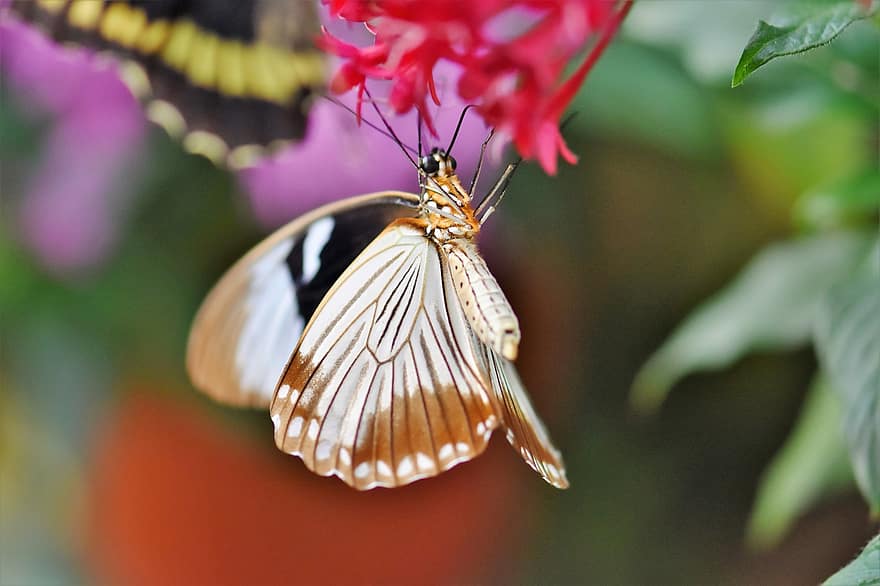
(862, 571)
(812, 25)
(848, 340)
(850, 202)
(771, 305)
(812, 464)
(674, 113)
(785, 144)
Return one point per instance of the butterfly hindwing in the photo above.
(524, 428)
(250, 322)
(227, 73)
(385, 386)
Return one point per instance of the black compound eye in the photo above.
(452, 162)
(430, 165)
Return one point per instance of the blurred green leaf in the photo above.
(673, 111)
(788, 142)
(770, 305)
(810, 25)
(862, 571)
(812, 463)
(848, 341)
(850, 202)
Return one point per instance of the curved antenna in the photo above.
(367, 122)
(389, 129)
(419, 127)
(458, 127)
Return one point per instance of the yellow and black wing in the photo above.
(231, 76)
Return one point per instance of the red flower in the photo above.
(515, 80)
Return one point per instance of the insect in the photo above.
(230, 78)
(403, 341)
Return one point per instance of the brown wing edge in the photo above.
(210, 353)
(525, 430)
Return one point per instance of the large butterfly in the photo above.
(230, 76)
(402, 340)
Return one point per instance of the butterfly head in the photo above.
(438, 163)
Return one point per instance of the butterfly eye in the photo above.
(452, 162)
(430, 165)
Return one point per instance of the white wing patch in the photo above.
(385, 386)
(313, 244)
(272, 324)
(245, 330)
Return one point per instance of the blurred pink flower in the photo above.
(77, 192)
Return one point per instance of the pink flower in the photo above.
(76, 197)
(516, 80)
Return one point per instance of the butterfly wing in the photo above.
(385, 386)
(250, 322)
(525, 430)
(232, 73)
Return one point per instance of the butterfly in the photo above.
(231, 77)
(377, 337)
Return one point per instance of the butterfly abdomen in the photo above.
(484, 303)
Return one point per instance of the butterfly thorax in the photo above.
(446, 216)
(445, 207)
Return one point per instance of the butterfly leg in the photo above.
(479, 168)
(496, 194)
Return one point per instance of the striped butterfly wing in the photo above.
(495, 333)
(245, 330)
(234, 75)
(524, 429)
(385, 386)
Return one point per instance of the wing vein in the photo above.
(324, 416)
(457, 394)
(412, 293)
(424, 407)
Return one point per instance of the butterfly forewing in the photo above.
(248, 325)
(385, 386)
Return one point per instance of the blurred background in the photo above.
(113, 469)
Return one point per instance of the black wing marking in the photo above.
(236, 72)
(252, 319)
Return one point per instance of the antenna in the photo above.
(458, 127)
(381, 131)
(390, 130)
(419, 127)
